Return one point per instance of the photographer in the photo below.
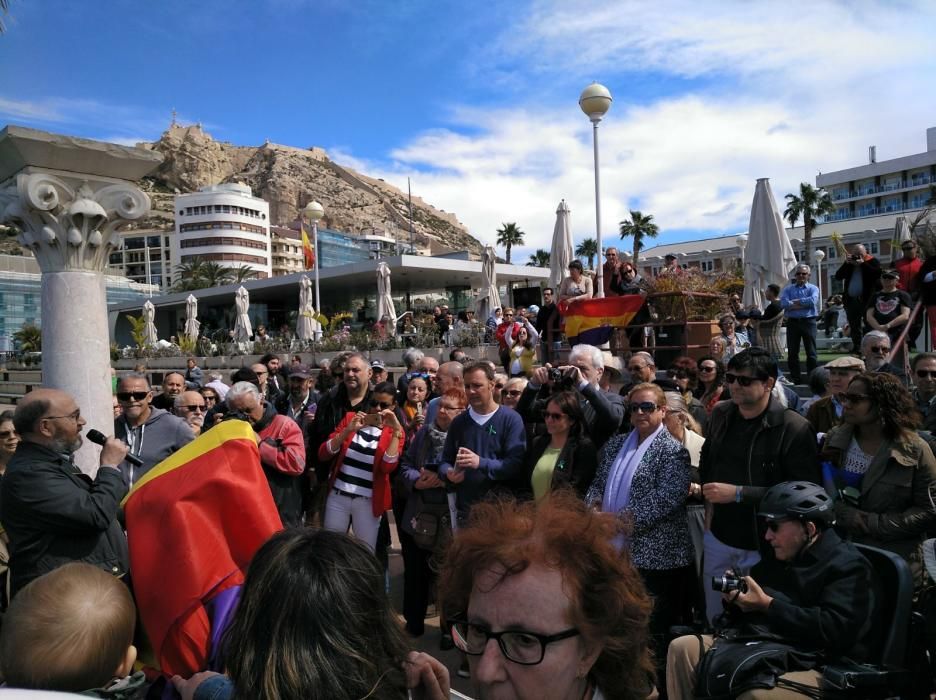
(816, 610)
(603, 410)
(861, 274)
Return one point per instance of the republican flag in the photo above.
(308, 252)
(592, 321)
(194, 522)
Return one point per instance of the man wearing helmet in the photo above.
(819, 600)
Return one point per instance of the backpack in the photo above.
(735, 665)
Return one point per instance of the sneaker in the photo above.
(446, 642)
(463, 670)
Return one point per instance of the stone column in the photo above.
(68, 197)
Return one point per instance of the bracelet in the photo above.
(737, 497)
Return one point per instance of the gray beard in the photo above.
(874, 363)
(67, 448)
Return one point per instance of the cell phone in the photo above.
(373, 419)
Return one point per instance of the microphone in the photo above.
(99, 438)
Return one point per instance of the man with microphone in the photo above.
(53, 513)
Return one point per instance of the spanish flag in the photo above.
(194, 522)
(591, 321)
(308, 252)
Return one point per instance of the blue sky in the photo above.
(478, 105)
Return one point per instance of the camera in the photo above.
(729, 582)
(854, 258)
(555, 375)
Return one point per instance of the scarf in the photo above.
(435, 441)
(617, 489)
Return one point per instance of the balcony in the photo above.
(869, 211)
(870, 191)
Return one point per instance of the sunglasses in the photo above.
(923, 374)
(549, 415)
(498, 386)
(774, 525)
(517, 392)
(643, 407)
(854, 398)
(880, 349)
(707, 368)
(731, 378)
(194, 407)
(132, 395)
(677, 373)
(635, 368)
(382, 405)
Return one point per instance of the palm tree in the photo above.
(811, 204)
(28, 338)
(539, 259)
(588, 249)
(639, 227)
(215, 275)
(242, 273)
(508, 236)
(188, 275)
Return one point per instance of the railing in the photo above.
(900, 346)
(878, 189)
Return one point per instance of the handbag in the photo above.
(432, 523)
(733, 666)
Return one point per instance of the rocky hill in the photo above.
(288, 178)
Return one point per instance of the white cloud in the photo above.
(776, 91)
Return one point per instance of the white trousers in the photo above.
(342, 511)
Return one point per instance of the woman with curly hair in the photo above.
(567, 614)
(882, 473)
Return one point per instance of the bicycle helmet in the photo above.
(797, 500)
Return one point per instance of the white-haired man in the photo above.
(875, 347)
(282, 448)
(603, 410)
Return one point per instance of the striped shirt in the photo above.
(356, 475)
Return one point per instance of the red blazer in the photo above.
(382, 501)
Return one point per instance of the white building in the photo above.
(869, 198)
(225, 224)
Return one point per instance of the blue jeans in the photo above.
(801, 329)
(719, 558)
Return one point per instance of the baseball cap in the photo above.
(300, 371)
(892, 274)
(378, 364)
(533, 309)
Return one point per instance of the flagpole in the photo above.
(318, 299)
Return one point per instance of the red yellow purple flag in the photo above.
(308, 252)
(591, 321)
(194, 522)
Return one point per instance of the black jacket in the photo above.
(330, 411)
(783, 449)
(54, 514)
(823, 600)
(870, 277)
(604, 411)
(575, 465)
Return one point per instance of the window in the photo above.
(707, 265)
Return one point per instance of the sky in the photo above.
(477, 103)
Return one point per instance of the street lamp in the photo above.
(595, 101)
(314, 212)
(741, 240)
(819, 255)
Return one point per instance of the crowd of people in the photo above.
(577, 522)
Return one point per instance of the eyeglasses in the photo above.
(524, 648)
(194, 407)
(443, 407)
(75, 416)
(923, 374)
(643, 407)
(513, 392)
(498, 386)
(549, 415)
(635, 368)
(132, 395)
(742, 380)
(855, 398)
(508, 315)
(880, 349)
(210, 399)
(382, 405)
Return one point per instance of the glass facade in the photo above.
(21, 301)
(339, 249)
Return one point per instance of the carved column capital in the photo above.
(69, 223)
